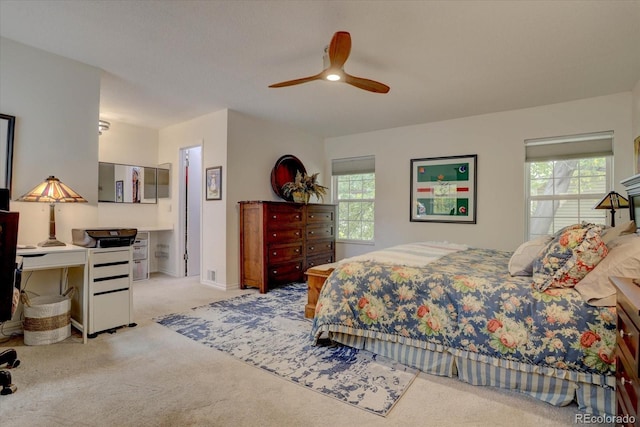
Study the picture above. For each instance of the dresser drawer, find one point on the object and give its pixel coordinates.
(626, 385)
(320, 232)
(289, 272)
(283, 216)
(320, 260)
(281, 253)
(320, 214)
(627, 339)
(319, 247)
(284, 235)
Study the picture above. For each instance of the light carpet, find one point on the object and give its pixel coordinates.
(269, 331)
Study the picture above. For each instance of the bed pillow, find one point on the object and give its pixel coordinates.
(610, 234)
(569, 257)
(623, 260)
(521, 262)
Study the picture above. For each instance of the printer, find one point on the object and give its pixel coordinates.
(103, 237)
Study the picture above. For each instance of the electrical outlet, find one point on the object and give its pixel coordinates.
(211, 275)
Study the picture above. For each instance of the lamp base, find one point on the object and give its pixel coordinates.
(51, 242)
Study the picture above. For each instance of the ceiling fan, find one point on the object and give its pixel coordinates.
(336, 55)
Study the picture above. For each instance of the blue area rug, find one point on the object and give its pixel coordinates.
(269, 331)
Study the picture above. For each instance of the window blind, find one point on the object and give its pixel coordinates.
(569, 147)
(353, 165)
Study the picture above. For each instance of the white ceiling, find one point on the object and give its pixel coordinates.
(169, 61)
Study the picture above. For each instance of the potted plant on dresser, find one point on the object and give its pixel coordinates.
(303, 187)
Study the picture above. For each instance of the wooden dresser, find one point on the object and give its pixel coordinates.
(279, 241)
(628, 346)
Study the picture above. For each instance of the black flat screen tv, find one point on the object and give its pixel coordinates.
(8, 244)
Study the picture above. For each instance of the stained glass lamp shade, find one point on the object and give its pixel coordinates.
(52, 191)
(612, 201)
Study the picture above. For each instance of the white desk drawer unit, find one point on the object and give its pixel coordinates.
(110, 289)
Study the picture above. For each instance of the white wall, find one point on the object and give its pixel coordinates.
(254, 146)
(56, 103)
(247, 148)
(498, 140)
(129, 145)
(209, 131)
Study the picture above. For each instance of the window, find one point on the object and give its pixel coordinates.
(354, 191)
(566, 178)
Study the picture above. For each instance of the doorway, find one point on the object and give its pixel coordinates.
(190, 208)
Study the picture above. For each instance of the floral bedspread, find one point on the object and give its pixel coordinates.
(468, 301)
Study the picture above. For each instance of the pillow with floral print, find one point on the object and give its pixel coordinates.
(569, 257)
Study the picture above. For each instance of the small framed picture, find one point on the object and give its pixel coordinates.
(443, 189)
(119, 190)
(213, 183)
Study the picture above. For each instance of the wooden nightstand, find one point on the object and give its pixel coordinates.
(628, 345)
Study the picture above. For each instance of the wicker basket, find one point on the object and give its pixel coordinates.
(47, 319)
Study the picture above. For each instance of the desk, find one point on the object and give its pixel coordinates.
(58, 257)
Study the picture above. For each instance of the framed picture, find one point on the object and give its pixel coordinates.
(7, 124)
(213, 183)
(636, 153)
(443, 189)
(119, 191)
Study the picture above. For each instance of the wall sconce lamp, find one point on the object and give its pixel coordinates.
(103, 126)
(612, 201)
(52, 191)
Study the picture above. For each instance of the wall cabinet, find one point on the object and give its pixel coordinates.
(279, 241)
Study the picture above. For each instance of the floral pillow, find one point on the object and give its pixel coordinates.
(573, 252)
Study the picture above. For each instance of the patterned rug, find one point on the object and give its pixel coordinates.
(269, 331)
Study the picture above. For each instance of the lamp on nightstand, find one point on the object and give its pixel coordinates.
(612, 201)
(52, 191)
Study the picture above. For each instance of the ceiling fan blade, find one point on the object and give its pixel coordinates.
(297, 81)
(339, 49)
(366, 84)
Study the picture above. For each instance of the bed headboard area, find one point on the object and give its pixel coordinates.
(632, 185)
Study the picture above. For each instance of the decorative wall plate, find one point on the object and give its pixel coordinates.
(285, 171)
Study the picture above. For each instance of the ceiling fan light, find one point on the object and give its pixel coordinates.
(333, 77)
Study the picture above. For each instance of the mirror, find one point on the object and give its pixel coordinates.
(127, 183)
(164, 180)
(7, 124)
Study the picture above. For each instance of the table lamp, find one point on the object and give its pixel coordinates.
(52, 191)
(612, 201)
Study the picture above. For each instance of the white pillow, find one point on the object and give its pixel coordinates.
(611, 233)
(623, 260)
(521, 262)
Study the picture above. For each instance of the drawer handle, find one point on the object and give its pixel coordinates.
(275, 271)
(275, 217)
(311, 232)
(623, 333)
(297, 233)
(274, 234)
(297, 251)
(312, 248)
(624, 381)
(275, 253)
(311, 216)
(297, 267)
(297, 216)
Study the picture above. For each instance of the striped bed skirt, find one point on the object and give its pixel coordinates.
(594, 394)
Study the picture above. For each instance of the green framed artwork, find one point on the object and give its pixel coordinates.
(443, 189)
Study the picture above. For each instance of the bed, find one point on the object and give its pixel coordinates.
(540, 320)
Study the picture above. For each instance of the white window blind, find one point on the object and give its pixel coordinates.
(570, 147)
(353, 165)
